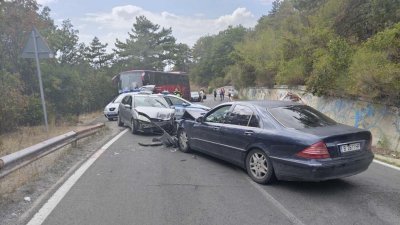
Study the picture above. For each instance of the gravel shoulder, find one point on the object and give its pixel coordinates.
(17, 207)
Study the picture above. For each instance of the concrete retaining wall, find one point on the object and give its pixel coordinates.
(383, 121)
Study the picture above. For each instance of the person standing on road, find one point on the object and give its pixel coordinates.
(177, 92)
(215, 94)
(222, 94)
(230, 96)
(201, 95)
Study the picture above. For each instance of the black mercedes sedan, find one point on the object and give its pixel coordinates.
(278, 140)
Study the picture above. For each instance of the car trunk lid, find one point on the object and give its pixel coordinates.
(342, 140)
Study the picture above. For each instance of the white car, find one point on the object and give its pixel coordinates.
(111, 110)
(146, 113)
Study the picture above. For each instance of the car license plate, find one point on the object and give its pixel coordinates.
(350, 147)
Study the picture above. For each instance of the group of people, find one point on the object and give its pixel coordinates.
(202, 94)
(221, 93)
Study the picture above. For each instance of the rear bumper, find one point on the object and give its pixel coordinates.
(319, 170)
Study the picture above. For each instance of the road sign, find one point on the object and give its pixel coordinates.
(36, 47)
(43, 49)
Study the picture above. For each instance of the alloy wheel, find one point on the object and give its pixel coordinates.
(258, 165)
(183, 140)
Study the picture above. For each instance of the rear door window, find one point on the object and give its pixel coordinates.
(300, 116)
(175, 101)
(242, 116)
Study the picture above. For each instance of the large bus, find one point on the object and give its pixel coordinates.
(164, 81)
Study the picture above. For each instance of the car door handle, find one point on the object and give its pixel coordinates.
(215, 128)
(248, 132)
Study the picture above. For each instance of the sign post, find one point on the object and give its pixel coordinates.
(36, 47)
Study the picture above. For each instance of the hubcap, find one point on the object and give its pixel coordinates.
(258, 165)
(183, 140)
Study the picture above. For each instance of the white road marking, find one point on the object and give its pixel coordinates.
(386, 164)
(275, 202)
(51, 204)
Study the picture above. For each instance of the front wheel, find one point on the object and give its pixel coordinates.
(134, 126)
(183, 141)
(259, 167)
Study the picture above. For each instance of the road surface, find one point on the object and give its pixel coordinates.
(131, 184)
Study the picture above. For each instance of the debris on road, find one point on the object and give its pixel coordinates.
(165, 139)
(27, 199)
(116, 153)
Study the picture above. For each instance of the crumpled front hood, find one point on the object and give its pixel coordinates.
(155, 112)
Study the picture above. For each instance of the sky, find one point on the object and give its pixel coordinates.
(189, 19)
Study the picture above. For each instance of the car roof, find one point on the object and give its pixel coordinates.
(269, 104)
(145, 95)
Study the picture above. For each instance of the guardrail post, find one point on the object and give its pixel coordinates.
(74, 144)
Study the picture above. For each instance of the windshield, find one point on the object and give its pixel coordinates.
(300, 116)
(130, 81)
(150, 101)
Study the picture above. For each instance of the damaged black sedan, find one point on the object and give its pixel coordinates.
(277, 140)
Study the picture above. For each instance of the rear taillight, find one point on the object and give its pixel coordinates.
(315, 151)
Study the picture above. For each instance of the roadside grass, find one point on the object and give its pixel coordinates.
(27, 136)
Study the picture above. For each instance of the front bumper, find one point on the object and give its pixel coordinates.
(154, 126)
(320, 170)
(110, 115)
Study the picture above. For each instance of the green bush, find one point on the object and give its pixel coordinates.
(33, 113)
(12, 101)
(375, 71)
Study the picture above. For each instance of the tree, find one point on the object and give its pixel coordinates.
(211, 54)
(362, 19)
(147, 47)
(275, 7)
(64, 42)
(182, 57)
(96, 54)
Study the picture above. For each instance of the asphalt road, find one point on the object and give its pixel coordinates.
(131, 184)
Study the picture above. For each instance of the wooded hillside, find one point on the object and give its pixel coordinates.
(344, 48)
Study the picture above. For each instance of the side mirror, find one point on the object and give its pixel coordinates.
(200, 119)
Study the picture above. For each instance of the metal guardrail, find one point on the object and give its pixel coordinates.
(16, 160)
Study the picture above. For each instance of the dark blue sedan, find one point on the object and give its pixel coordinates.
(278, 140)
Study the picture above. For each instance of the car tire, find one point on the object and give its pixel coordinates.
(183, 142)
(259, 167)
(134, 126)
(120, 123)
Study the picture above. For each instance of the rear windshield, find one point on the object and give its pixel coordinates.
(301, 116)
(119, 98)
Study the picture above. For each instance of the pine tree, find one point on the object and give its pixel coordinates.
(96, 54)
(148, 46)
